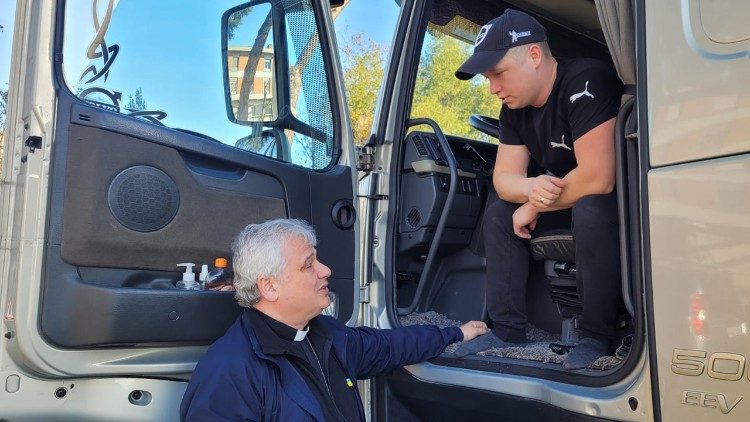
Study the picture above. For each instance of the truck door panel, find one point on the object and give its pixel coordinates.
(132, 197)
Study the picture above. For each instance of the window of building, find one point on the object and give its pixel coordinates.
(233, 86)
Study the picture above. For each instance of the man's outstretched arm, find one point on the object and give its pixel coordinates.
(372, 351)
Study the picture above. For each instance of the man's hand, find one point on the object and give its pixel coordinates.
(544, 190)
(473, 328)
(524, 220)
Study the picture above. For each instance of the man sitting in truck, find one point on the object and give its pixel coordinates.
(561, 114)
(284, 361)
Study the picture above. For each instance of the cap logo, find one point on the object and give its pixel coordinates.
(482, 34)
(516, 35)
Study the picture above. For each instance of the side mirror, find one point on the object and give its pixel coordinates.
(250, 85)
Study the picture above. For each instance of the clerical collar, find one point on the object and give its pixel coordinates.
(301, 334)
(282, 330)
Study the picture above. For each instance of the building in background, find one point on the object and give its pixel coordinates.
(262, 94)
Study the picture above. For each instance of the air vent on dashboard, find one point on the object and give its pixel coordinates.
(413, 217)
(419, 145)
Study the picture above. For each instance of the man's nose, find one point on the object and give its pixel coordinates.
(323, 270)
(495, 87)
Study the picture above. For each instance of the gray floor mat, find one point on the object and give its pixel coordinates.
(536, 350)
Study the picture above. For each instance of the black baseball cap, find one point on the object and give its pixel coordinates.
(511, 29)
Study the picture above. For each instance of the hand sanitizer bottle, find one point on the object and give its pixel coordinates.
(203, 275)
(188, 278)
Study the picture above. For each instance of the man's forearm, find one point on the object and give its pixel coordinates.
(578, 185)
(512, 187)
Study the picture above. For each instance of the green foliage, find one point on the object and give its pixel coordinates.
(3, 108)
(438, 94)
(136, 101)
(235, 19)
(363, 74)
(442, 97)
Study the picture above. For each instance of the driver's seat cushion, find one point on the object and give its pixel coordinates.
(555, 245)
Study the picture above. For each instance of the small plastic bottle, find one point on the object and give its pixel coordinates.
(203, 275)
(188, 278)
(219, 276)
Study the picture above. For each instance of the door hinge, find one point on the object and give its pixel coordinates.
(34, 143)
(365, 158)
(364, 294)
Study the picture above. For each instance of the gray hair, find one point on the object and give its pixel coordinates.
(258, 251)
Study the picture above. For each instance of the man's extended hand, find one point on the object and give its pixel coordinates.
(544, 191)
(473, 328)
(524, 220)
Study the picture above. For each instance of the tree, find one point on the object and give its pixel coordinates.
(438, 94)
(3, 110)
(235, 19)
(445, 99)
(136, 101)
(363, 74)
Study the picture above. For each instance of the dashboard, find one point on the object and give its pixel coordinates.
(425, 180)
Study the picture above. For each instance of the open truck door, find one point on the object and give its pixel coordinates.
(144, 136)
(683, 176)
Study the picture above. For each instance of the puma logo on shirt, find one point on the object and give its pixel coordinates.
(585, 92)
(560, 144)
(516, 35)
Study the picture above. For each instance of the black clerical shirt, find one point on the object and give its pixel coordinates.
(334, 390)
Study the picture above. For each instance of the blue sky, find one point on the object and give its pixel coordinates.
(373, 18)
(176, 75)
(7, 14)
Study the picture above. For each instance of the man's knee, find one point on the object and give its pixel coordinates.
(595, 211)
(498, 217)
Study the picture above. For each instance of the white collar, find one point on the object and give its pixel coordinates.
(301, 334)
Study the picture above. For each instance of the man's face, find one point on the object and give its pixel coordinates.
(512, 80)
(303, 284)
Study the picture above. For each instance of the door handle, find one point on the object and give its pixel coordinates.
(343, 214)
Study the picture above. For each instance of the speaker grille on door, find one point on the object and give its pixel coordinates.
(413, 217)
(143, 198)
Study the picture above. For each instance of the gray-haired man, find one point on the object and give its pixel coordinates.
(282, 360)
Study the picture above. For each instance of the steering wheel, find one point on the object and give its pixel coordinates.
(486, 125)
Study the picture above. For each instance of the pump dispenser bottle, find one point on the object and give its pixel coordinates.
(188, 278)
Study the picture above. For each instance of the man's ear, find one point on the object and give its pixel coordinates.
(535, 54)
(268, 288)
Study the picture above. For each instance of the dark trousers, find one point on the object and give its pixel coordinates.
(594, 223)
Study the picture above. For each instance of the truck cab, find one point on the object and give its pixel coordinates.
(142, 136)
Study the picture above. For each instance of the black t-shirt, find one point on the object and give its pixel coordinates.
(586, 93)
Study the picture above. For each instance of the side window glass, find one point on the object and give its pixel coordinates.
(238, 73)
(364, 34)
(7, 16)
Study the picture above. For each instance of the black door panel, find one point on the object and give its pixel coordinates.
(206, 220)
(107, 285)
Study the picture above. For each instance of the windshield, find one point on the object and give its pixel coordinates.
(439, 95)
